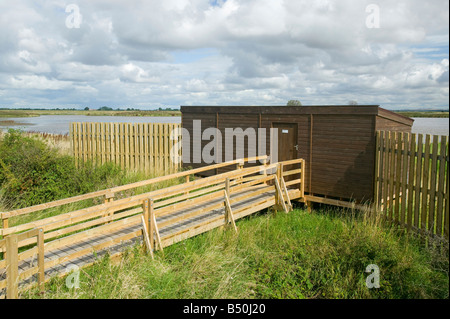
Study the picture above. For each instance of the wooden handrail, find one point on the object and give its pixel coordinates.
(31, 209)
(88, 223)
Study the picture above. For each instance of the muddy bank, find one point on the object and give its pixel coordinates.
(12, 123)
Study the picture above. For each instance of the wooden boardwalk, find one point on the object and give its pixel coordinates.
(157, 219)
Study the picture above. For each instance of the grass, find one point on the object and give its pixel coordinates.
(442, 114)
(295, 255)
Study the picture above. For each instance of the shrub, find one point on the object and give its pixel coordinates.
(32, 172)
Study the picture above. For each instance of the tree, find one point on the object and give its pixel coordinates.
(105, 108)
(352, 102)
(294, 103)
(86, 108)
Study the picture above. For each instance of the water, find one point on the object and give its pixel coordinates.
(60, 124)
(433, 126)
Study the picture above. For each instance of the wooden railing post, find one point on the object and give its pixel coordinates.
(187, 181)
(151, 215)
(228, 212)
(239, 166)
(145, 225)
(154, 231)
(146, 208)
(12, 267)
(109, 197)
(265, 170)
(4, 221)
(4, 225)
(302, 178)
(41, 254)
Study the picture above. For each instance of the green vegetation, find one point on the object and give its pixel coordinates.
(35, 169)
(274, 255)
(31, 172)
(294, 103)
(442, 114)
(295, 255)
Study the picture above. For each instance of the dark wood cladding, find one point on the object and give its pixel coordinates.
(340, 153)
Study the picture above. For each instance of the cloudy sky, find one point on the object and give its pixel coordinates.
(150, 54)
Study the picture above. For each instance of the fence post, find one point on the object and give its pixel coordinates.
(227, 193)
(12, 267)
(146, 212)
(265, 170)
(41, 254)
(228, 212)
(152, 218)
(302, 179)
(187, 181)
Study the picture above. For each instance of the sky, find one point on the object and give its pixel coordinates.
(151, 54)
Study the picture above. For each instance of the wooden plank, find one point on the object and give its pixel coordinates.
(146, 215)
(425, 184)
(398, 176)
(41, 265)
(392, 144)
(27, 235)
(142, 152)
(376, 196)
(152, 145)
(292, 172)
(80, 142)
(84, 137)
(441, 187)
(432, 191)
(404, 183)
(280, 198)
(146, 237)
(385, 185)
(73, 144)
(293, 182)
(335, 202)
(418, 181)
(229, 211)
(103, 139)
(411, 176)
(284, 188)
(166, 139)
(383, 168)
(151, 216)
(145, 148)
(117, 142)
(12, 269)
(302, 178)
(446, 192)
(155, 228)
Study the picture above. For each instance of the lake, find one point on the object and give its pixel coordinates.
(433, 126)
(59, 124)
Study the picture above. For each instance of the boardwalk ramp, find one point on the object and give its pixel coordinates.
(139, 213)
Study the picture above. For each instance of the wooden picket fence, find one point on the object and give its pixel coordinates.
(411, 181)
(142, 147)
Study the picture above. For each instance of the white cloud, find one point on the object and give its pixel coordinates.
(156, 53)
